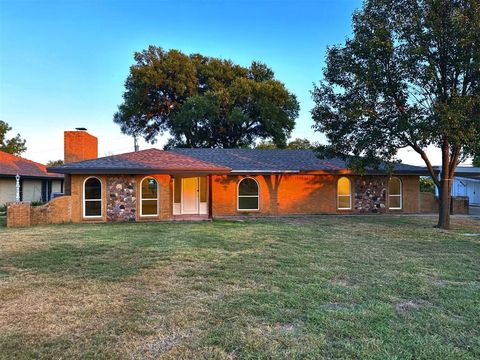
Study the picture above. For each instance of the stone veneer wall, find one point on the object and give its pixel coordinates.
(370, 194)
(121, 198)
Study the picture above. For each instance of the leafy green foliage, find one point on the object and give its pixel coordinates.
(427, 185)
(52, 163)
(204, 102)
(476, 161)
(296, 144)
(409, 77)
(15, 145)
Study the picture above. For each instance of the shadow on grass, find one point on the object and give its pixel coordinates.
(97, 261)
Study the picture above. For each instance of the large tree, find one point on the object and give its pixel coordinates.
(14, 145)
(409, 77)
(204, 102)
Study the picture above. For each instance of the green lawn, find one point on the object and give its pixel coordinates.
(325, 287)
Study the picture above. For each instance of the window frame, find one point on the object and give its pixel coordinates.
(150, 199)
(248, 196)
(85, 200)
(349, 195)
(399, 195)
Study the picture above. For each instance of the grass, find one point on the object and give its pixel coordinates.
(325, 287)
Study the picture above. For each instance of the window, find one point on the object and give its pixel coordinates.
(344, 194)
(395, 193)
(248, 197)
(92, 197)
(149, 197)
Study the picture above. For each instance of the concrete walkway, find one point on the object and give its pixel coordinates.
(474, 210)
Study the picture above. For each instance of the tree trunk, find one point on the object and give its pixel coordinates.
(444, 191)
(444, 206)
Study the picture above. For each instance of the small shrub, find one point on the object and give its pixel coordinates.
(427, 185)
(37, 203)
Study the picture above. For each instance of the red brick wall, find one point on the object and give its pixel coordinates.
(79, 145)
(298, 194)
(56, 211)
(18, 214)
(428, 203)
(165, 197)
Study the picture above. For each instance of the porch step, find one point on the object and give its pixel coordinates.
(191, 218)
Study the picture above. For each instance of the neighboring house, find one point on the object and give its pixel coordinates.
(204, 183)
(466, 182)
(35, 183)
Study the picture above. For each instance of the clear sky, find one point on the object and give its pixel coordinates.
(63, 63)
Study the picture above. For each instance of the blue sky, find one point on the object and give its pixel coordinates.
(63, 63)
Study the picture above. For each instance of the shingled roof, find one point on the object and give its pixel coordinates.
(142, 162)
(276, 160)
(215, 161)
(11, 165)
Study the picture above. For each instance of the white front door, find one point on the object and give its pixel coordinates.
(190, 195)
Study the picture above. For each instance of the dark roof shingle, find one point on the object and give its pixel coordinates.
(144, 161)
(278, 160)
(216, 161)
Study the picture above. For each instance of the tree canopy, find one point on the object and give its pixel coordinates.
(204, 102)
(476, 161)
(409, 77)
(14, 145)
(52, 163)
(296, 144)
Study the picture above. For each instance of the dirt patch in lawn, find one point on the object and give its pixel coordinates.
(36, 305)
(408, 305)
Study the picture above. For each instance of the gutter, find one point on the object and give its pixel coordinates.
(265, 171)
(119, 171)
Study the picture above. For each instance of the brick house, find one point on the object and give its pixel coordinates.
(207, 183)
(35, 183)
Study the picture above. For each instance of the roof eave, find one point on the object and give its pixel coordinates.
(99, 171)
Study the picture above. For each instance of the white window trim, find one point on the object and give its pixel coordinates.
(151, 199)
(246, 196)
(400, 195)
(85, 200)
(349, 195)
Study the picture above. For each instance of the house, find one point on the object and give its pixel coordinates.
(466, 183)
(206, 183)
(36, 185)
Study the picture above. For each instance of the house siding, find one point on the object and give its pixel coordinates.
(288, 194)
(7, 191)
(118, 186)
(312, 194)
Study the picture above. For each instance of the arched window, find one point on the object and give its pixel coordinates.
(92, 197)
(149, 197)
(395, 193)
(248, 194)
(344, 194)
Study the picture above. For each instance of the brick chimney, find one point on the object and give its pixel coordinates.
(79, 145)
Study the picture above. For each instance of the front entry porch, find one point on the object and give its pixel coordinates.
(190, 198)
